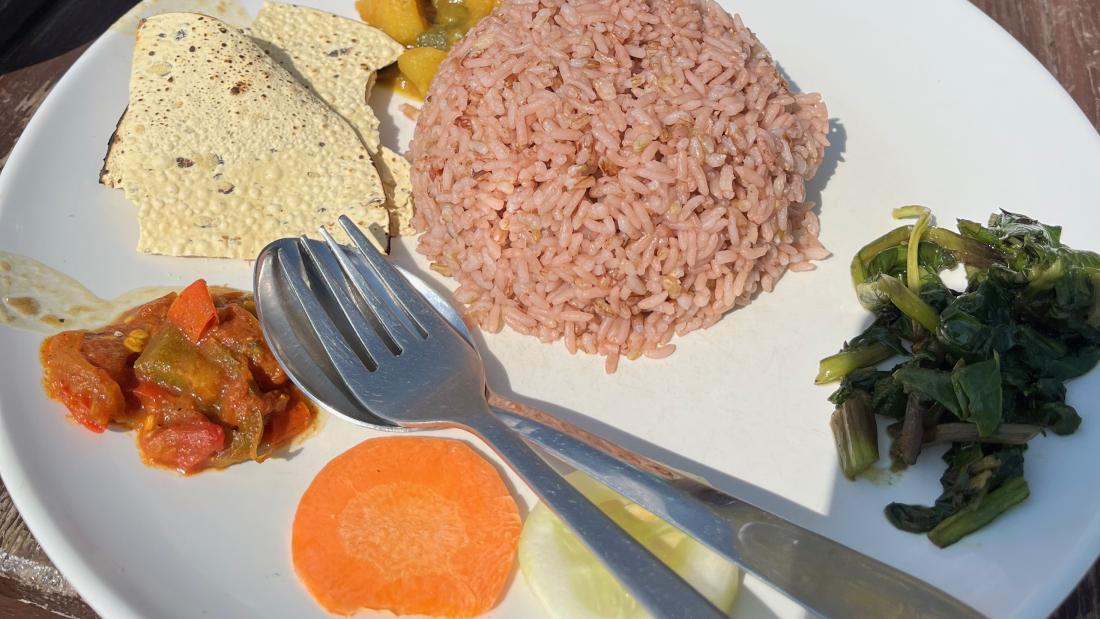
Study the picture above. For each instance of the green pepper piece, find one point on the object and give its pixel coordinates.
(244, 444)
(172, 361)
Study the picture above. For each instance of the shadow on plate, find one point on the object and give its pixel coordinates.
(749, 603)
(834, 153)
(497, 377)
(380, 98)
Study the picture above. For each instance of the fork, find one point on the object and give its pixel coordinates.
(404, 362)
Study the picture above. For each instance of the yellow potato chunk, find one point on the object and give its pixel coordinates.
(401, 19)
(419, 65)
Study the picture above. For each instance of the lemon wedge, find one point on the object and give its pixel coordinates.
(572, 584)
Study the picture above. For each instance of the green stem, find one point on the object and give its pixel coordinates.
(893, 238)
(963, 523)
(1005, 434)
(904, 299)
(836, 367)
(965, 250)
(908, 444)
(1040, 280)
(913, 211)
(856, 433)
(912, 253)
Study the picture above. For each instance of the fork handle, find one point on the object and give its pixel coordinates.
(652, 584)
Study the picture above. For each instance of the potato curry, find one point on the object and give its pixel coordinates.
(428, 28)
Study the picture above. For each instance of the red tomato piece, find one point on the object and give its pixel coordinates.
(185, 445)
(89, 393)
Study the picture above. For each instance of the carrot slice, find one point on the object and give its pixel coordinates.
(408, 524)
(193, 310)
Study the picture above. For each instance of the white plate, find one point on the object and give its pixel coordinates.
(932, 104)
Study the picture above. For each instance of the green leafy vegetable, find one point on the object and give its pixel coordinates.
(856, 435)
(978, 389)
(935, 385)
(973, 472)
(983, 369)
(980, 513)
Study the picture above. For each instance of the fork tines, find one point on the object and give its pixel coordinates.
(356, 301)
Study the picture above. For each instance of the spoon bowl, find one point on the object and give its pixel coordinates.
(306, 363)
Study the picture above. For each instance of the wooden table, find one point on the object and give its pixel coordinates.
(40, 39)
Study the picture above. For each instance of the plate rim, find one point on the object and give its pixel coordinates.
(108, 599)
(96, 591)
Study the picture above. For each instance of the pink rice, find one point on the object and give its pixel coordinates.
(614, 172)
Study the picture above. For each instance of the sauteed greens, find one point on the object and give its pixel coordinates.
(984, 369)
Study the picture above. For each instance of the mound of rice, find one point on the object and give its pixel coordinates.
(614, 172)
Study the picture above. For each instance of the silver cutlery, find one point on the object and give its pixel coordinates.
(399, 359)
(826, 578)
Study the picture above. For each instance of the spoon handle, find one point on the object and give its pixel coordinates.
(825, 577)
(652, 584)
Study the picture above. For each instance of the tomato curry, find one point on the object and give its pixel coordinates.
(190, 372)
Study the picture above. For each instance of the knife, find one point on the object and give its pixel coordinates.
(824, 576)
